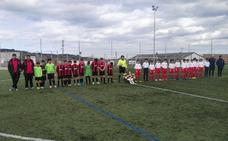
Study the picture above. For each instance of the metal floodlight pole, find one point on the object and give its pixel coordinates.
(0, 54)
(154, 9)
(62, 47)
(140, 47)
(211, 47)
(79, 49)
(111, 50)
(41, 51)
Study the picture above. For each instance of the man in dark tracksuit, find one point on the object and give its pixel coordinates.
(220, 64)
(28, 67)
(14, 68)
(212, 61)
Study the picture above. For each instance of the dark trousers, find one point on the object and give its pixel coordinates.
(206, 71)
(211, 71)
(145, 74)
(88, 80)
(28, 80)
(15, 78)
(43, 81)
(220, 72)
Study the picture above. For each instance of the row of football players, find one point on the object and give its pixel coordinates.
(159, 70)
(69, 72)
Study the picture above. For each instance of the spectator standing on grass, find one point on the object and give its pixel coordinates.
(28, 67)
(146, 70)
(122, 64)
(206, 67)
(212, 61)
(220, 64)
(14, 68)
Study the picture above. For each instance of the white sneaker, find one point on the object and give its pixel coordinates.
(98, 83)
(42, 88)
(26, 88)
(11, 89)
(93, 83)
(16, 90)
(38, 88)
(55, 86)
(78, 84)
(50, 87)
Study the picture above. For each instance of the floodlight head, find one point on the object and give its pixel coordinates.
(154, 8)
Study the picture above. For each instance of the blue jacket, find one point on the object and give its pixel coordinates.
(220, 63)
(212, 61)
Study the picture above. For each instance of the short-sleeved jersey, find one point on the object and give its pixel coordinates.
(81, 67)
(75, 69)
(101, 65)
(110, 69)
(94, 66)
(60, 70)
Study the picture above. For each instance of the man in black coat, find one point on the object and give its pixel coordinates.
(212, 61)
(28, 67)
(220, 64)
(14, 68)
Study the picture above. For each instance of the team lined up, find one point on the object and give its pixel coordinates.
(185, 69)
(68, 73)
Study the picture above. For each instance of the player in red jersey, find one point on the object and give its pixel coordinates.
(110, 72)
(69, 73)
(60, 73)
(101, 69)
(75, 73)
(94, 66)
(81, 67)
(65, 73)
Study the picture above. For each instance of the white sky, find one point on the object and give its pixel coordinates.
(126, 22)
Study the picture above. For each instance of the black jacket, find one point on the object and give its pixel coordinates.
(220, 63)
(11, 68)
(25, 65)
(212, 61)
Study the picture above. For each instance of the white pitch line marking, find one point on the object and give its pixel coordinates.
(183, 93)
(22, 138)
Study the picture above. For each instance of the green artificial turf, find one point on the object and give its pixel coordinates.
(53, 114)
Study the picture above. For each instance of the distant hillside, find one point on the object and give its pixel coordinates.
(45, 56)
